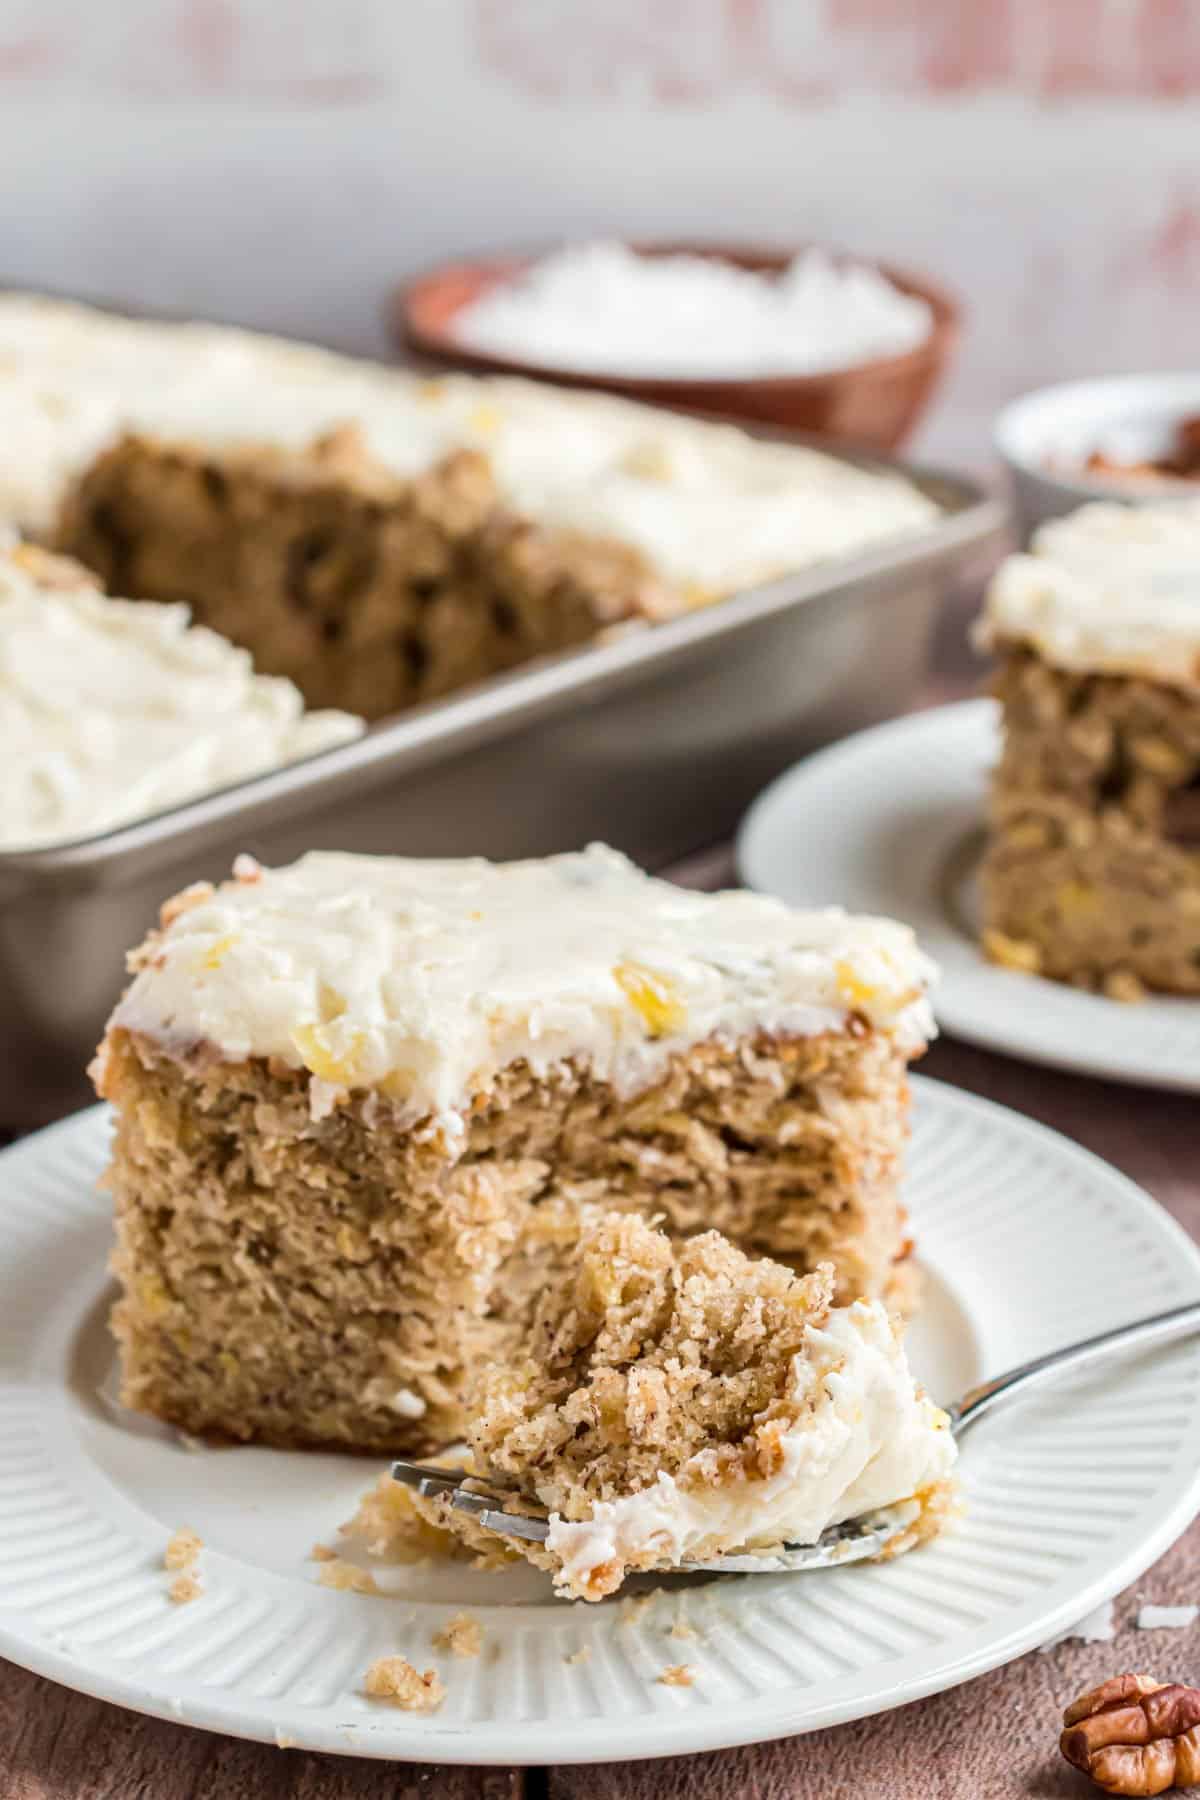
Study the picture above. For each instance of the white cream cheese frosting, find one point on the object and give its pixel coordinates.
(865, 1438)
(712, 508)
(424, 979)
(111, 710)
(1108, 589)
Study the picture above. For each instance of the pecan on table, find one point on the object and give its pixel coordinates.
(1135, 1735)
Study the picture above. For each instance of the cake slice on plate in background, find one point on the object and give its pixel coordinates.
(1092, 874)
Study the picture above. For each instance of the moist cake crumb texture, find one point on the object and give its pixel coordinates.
(1092, 871)
(369, 591)
(676, 1402)
(184, 1589)
(363, 1102)
(395, 1680)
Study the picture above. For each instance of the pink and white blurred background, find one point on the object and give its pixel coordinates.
(282, 162)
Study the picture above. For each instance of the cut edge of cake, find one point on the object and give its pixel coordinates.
(371, 591)
(677, 1402)
(355, 1128)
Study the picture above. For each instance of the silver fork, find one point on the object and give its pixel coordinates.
(857, 1538)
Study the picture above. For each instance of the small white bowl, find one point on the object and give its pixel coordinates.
(1045, 438)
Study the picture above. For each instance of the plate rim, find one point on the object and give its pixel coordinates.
(756, 827)
(394, 1739)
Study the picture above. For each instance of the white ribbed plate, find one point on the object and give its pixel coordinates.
(891, 821)
(1027, 1242)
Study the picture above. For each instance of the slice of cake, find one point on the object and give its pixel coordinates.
(111, 711)
(1092, 873)
(360, 1102)
(367, 589)
(677, 1401)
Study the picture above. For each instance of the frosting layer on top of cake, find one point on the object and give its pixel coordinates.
(712, 508)
(111, 710)
(423, 979)
(864, 1438)
(1111, 589)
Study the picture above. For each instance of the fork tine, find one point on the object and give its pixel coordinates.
(506, 1523)
(446, 1484)
(426, 1478)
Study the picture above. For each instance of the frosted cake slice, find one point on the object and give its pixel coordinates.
(677, 1401)
(360, 1102)
(1092, 874)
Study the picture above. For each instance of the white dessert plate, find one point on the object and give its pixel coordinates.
(1027, 1242)
(891, 821)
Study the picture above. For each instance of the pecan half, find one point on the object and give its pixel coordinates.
(1135, 1735)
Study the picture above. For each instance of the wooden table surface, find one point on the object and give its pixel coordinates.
(992, 1739)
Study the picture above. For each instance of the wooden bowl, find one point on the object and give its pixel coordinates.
(875, 404)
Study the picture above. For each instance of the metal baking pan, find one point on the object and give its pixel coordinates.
(654, 741)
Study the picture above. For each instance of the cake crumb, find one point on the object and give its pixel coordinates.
(1123, 984)
(393, 1679)
(182, 1550)
(461, 1635)
(322, 1553)
(347, 1577)
(678, 1675)
(681, 1629)
(185, 1587)
(582, 1655)
(391, 1530)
